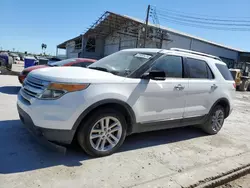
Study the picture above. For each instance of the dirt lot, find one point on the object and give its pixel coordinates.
(171, 158)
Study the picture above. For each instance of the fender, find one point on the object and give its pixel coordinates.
(224, 100)
(103, 102)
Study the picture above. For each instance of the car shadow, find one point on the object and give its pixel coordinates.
(20, 152)
(155, 138)
(11, 90)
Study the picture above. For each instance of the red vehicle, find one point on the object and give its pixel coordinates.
(77, 62)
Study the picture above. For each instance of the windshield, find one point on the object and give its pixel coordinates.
(122, 63)
(61, 63)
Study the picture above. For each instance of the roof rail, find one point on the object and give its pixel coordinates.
(195, 52)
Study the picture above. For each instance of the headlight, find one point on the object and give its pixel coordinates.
(56, 90)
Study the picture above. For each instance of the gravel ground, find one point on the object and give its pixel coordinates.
(243, 182)
(169, 158)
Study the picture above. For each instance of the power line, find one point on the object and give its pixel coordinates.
(198, 22)
(206, 19)
(201, 22)
(202, 15)
(204, 26)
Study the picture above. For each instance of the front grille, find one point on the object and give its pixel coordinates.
(33, 88)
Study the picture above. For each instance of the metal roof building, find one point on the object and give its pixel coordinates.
(113, 32)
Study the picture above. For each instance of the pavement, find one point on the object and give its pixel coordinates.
(16, 69)
(182, 157)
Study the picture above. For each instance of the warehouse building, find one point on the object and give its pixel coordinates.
(113, 32)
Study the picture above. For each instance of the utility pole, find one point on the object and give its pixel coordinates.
(146, 27)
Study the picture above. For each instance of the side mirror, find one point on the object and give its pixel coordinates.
(154, 75)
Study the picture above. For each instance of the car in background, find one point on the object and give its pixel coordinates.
(21, 56)
(76, 62)
(6, 62)
(15, 57)
(54, 59)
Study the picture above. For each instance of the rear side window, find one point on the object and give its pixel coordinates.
(198, 69)
(224, 72)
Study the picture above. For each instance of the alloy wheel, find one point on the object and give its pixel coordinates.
(106, 133)
(217, 120)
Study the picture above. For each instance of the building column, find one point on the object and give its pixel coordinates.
(191, 42)
(84, 40)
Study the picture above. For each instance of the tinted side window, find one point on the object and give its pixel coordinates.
(224, 72)
(171, 65)
(197, 68)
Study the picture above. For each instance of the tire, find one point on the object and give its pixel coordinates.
(244, 85)
(86, 130)
(210, 127)
(248, 88)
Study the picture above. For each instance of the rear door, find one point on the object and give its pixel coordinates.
(203, 88)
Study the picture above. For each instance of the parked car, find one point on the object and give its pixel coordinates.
(54, 59)
(130, 91)
(78, 62)
(6, 62)
(15, 57)
(21, 56)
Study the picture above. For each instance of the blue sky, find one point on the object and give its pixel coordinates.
(25, 24)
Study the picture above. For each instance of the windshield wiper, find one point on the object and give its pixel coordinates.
(99, 68)
(105, 70)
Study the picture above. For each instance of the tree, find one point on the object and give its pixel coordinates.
(44, 46)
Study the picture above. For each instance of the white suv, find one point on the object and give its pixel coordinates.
(128, 92)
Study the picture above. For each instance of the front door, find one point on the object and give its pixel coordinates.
(164, 100)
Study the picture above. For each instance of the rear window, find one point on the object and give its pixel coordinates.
(224, 72)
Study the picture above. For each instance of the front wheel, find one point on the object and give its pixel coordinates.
(215, 120)
(103, 132)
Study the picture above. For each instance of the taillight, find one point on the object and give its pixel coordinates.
(234, 84)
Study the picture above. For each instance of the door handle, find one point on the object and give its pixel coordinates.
(179, 87)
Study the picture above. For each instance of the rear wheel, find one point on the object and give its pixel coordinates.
(215, 120)
(248, 88)
(244, 85)
(103, 132)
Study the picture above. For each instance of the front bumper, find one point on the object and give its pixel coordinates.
(47, 137)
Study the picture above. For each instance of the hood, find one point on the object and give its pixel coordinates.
(35, 67)
(75, 75)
